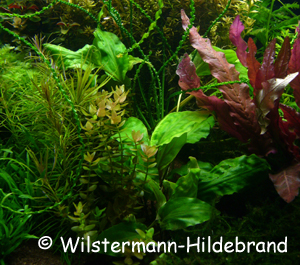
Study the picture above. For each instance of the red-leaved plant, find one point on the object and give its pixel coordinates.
(256, 120)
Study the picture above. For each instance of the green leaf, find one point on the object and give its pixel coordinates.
(202, 67)
(132, 124)
(169, 187)
(187, 186)
(154, 192)
(133, 61)
(35, 19)
(201, 131)
(181, 212)
(112, 54)
(71, 59)
(120, 233)
(183, 170)
(26, 196)
(107, 52)
(152, 25)
(168, 152)
(231, 175)
(177, 123)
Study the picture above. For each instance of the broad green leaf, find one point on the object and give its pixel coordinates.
(231, 175)
(122, 232)
(169, 187)
(183, 170)
(107, 53)
(232, 58)
(181, 212)
(154, 192)
(112, 54)
(71, 59)
(132, 124)
(168, 152)
(201, 131)
(177, 123)
(187, 186)
(202, 67)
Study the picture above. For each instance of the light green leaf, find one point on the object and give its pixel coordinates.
(183, 170)
(132, 124)
(112, 54)
(70, 59)
(133, 61)
(169, 187)
(200, 130)
(202, 67)
(177, 123)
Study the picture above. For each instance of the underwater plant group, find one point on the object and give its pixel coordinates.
(121, 121)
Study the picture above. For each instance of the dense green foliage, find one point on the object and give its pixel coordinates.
(97, 139)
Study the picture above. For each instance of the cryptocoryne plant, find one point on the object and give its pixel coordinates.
(256, 120)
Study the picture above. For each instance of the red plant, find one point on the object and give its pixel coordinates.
(252, 120)
(23, 8)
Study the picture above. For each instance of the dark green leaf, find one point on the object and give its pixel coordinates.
(120, 233)
(168, 152)
(187, 186)
(182, 212)
(154, 192)
(231, 175)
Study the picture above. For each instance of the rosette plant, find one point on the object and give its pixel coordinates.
(253, 120)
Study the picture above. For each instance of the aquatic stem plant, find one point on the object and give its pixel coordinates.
(156, 90)
(57, 80)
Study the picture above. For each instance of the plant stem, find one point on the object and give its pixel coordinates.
(268, 23)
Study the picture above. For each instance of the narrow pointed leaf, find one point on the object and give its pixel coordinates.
(282, 60)
(236, 96)
(235, 31)
(267, 69)
(294, 66)
(253, 64)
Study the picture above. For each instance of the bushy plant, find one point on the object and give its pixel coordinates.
(241, 116)
(102, 146)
